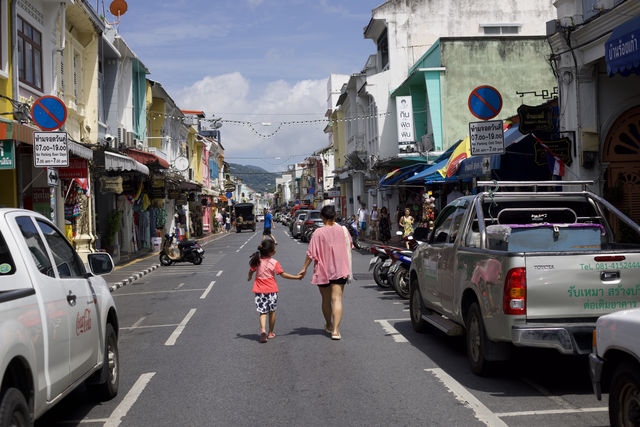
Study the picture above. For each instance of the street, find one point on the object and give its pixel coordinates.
(190, 355)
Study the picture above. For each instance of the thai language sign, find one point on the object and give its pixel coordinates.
(50, 149)
(404, 111)
(486, 137)
(7, 155)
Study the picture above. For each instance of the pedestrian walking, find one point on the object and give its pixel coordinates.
(406, 222)
(363, 214)
(384, 225)
(265, 288)
(373, 223)
(330, 250)
(268, 226)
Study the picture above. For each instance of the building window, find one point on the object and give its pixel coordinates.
(500, 29)
(29, 54)
(383, 50)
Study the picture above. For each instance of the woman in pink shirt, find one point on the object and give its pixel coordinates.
(330, 249)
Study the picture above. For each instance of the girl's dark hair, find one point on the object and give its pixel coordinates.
(265, 249)
(328, 212)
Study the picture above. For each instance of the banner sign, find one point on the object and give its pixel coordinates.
(111, 184)
(486, 137)
(7, 155)
(559, 147)
(50, 149)
(334, 193)
(78, 168)
(536, 119)
(404, 110)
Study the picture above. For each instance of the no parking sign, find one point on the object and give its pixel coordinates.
(485, 102)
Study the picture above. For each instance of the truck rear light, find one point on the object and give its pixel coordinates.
(616, 258)
(515, 292)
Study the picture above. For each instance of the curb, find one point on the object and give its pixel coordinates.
(132, 278)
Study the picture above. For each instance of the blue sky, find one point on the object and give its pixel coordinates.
(256, 60)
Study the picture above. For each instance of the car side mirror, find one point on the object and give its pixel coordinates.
(100, 263)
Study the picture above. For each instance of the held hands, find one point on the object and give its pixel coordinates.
(301, 275)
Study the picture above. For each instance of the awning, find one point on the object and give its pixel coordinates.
(190, 186)
(147, 158)
(23, 133)
(622, 50)
(80, 150)
(398, 175)
(118, 162)
(419, 178)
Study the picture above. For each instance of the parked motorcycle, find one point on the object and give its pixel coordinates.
(353, 231)
(308, 232)
(186, 251)
(398, 274)
(380, 263)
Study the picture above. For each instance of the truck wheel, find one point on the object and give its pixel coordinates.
(107, 389)
(14, 410)
(401, 283)
(624, 396)
(476, 340)
(378, 277)
(415, 310)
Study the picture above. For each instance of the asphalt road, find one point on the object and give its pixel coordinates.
(190, 356)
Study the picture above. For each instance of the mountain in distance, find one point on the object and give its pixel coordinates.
(255, 177)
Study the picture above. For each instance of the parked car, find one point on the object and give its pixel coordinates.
(58, 321)
(245, 219)
(532, 269)
(313, 220)
(294, 218)
(259, 218)
(615, 365)
(299, 224)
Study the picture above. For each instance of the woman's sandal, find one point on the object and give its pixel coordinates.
(336, 336)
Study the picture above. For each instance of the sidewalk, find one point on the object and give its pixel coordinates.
(131, 271)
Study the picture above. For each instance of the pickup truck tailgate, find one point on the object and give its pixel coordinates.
(581, 286)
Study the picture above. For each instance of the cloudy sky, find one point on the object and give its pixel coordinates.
(262, 61)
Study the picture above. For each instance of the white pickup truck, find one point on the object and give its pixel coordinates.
(58, 322)
(525, 268)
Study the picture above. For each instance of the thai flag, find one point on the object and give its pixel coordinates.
(556, 165)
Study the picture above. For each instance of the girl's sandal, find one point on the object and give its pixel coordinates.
(271, 335)
(263, 337)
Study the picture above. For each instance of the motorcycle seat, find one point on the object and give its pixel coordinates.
(186, 243)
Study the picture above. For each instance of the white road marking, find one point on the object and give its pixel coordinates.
(401, 302)
(157, 292)
(405, 309)
(179, 286)
(238, 250)
(219, 273)
(138, 322)
(206, 291)
(543, 391)
(176, 333)
(121, 410)
(551, 412)
(85, 421)
(130, 328)
(390, 330)
(463, 395)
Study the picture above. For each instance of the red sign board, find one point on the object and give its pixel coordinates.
(77, 169)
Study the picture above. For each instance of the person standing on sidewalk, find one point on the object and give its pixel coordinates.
(385, 225)
(373, 223)
(363, 213)
(268, 226)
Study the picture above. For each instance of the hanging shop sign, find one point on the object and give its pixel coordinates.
(404, 119)
(181, 163)
(41, 198)
(486, 137)
(157, 188)
(485, 102)
(559, 147)
(111, 184)
(173, 193)
(78, 168)
(49, 112)
(7, 155)
(50, 149)
(536, 119)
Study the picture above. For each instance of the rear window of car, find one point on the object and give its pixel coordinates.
(7, 266)
(315, 215)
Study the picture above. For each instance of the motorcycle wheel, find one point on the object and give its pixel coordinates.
(401, 283)
(380, 279)
(165, 260)
(197, 259)
(356, 243)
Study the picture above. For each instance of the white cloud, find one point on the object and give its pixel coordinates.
(232, 97)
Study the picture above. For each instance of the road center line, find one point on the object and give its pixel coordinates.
(176, 333)
(138, 322)
(206, 291)
(121, 410)
(551, 412)
(158, 292)
(465, 397)
(219, 273)
(391, 331)
(130, 328)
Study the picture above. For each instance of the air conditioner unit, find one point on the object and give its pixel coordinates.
(122, 136)
(129, 142)
(139, 144)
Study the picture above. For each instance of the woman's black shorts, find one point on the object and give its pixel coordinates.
(342, 281)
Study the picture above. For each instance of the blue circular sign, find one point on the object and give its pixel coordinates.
(485, 102)
(311, 190)
(229, 194)
(49, 112)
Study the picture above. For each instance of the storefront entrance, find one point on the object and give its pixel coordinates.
(622, 152)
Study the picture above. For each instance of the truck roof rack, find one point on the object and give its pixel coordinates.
(534, 184)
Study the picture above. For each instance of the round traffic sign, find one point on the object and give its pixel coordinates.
(311, 190)
(49, 112)
(485, 102)
(229, 194)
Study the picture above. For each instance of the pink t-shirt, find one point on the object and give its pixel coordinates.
(265, 281)
(328, 248)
